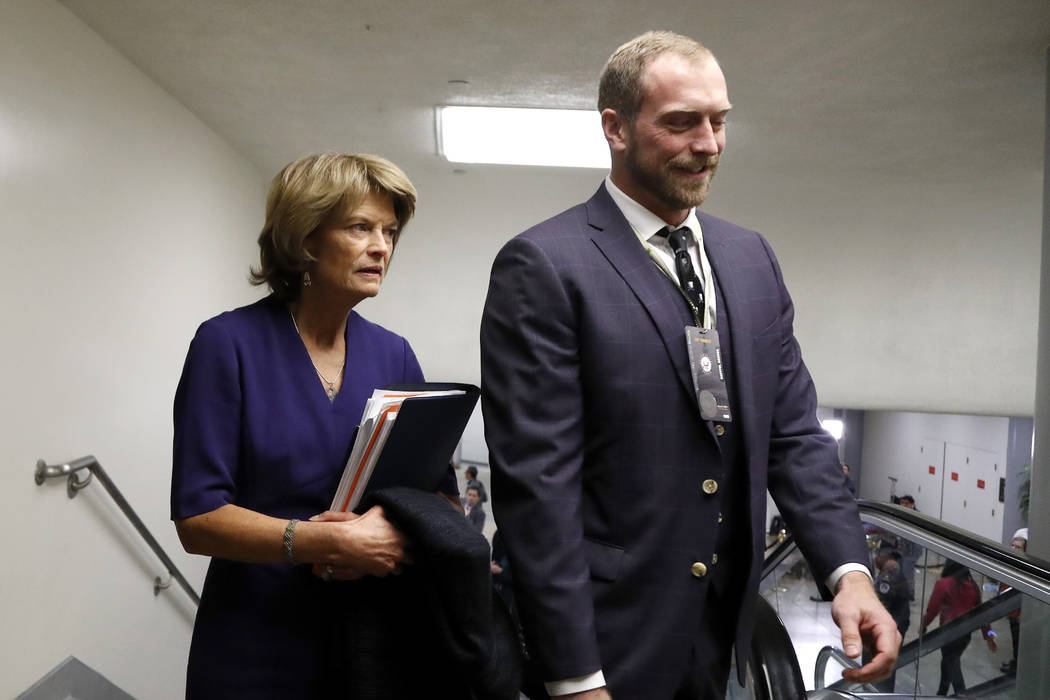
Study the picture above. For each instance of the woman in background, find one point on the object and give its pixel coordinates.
(264, 415)
(954, 594)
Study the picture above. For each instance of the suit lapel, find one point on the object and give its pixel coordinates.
(732, 314)
(618, 243)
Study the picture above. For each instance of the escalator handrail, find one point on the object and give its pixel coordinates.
(820, 670)
(774, 665)
(929, 642)
(1025, 572)
(984, 614)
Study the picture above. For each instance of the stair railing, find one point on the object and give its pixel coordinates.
(79, 473)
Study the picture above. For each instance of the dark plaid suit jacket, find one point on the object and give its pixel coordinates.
(598, 449)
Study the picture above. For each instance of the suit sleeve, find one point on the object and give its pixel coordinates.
(805, 475)
(533, 410)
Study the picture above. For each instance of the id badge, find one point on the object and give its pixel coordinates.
(709, 380)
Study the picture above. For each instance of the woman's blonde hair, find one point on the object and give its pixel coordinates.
(307, 193)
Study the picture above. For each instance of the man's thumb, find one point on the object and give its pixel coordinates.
(851, 641)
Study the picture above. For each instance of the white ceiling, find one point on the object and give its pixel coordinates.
(899, 89)
(877, 143)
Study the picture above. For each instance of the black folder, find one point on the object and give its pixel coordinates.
(420, 445)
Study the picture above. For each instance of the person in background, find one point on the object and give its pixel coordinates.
(1020, 544)
(954, 594)
(474, 509)
(471, 475)
(892, 590)
(910, 551)
(264, 416)
(849, 480)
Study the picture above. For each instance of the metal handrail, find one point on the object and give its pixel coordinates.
(830, 652)
(75, 484)
(1022, 571)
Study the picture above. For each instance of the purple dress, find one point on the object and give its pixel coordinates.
(254, 427)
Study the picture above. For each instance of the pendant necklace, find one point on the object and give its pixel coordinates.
(329, 383)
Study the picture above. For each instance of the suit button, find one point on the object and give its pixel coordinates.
(709, 486)
(699, 569)
(720, 430)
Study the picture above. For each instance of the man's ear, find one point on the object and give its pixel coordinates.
(616, 130)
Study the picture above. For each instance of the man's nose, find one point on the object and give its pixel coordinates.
(704, 139)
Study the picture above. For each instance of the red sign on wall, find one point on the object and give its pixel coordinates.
(933, 469)
(955, 476)
(980, 483)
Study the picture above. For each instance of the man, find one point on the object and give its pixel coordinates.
(475, 512)
(850, 485)
(892, 590)
(910, 551)
(631, 481)
(471, 475)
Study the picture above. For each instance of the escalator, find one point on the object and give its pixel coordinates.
(1014, 605)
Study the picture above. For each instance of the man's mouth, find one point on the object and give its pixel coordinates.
(696, 168)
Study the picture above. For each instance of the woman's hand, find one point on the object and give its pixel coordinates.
(367, 545)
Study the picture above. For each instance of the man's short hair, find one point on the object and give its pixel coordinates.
(621, 86)
(907, 498)
(475, 489)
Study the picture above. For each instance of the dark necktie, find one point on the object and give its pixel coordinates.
(683, 266)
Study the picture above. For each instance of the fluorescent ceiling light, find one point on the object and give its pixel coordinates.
(833, 426)
(567, 138)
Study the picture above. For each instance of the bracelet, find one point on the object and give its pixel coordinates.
(289, 533)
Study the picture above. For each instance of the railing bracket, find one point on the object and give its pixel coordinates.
(74, 485)
(160, 584)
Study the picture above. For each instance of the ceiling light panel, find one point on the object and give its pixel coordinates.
(566, 138)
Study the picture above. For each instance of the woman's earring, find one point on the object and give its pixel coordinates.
(306, 279)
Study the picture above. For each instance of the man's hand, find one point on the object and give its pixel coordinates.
(595, 694)
(863, 620)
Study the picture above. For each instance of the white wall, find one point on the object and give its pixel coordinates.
(904, 445)
(125, 222)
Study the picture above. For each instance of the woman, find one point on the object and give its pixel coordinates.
(264, 418)
(954, 594)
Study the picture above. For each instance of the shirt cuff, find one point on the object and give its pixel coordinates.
(576, 685)
(833, 578)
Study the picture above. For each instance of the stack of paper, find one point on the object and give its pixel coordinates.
(376, 423)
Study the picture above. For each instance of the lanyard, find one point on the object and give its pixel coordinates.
(699, 315)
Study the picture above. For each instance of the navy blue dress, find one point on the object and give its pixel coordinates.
(254, 427)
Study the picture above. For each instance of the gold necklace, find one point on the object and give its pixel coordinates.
(329, 383)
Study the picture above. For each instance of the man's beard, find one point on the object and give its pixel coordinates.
(661, 181)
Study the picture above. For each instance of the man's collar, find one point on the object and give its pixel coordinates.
(643, 221)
